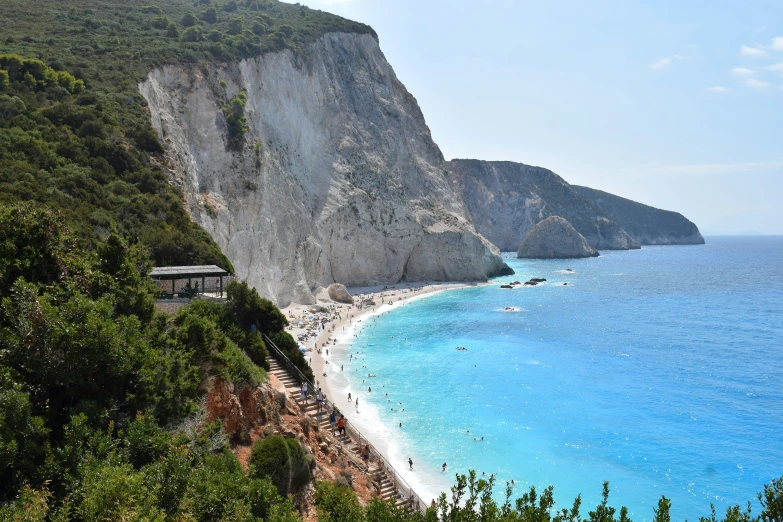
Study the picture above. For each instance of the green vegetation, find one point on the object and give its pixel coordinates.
(74, 131)
(234, 111)
(90, 374)
(283, 461)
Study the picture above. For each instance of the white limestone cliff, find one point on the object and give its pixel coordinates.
(338, 180)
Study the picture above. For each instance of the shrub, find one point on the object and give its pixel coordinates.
(215, 36)
(258, 28)
(337, 502)
(234, 111)
(235, 26)
(287, 30)
(283, 461)
(189, 20)
(160, 22)
(193, 34)
(172, 31)
(231, 6)
(117, 492)
(210, 15)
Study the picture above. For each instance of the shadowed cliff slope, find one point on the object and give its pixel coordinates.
(506, 200)
(646, 225)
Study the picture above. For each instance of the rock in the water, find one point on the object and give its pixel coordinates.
(339, 293)
(530, 283)
(506, 286)
(505, 270)
(555, 238)
(538, 279)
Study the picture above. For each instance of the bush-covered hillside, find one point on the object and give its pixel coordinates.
(90, 376)
(74, 130)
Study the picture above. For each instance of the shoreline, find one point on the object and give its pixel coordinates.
(342, 320)
(340, 325)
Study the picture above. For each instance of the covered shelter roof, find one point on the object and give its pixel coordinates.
(186, 272)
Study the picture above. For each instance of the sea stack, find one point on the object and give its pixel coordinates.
(555, 238)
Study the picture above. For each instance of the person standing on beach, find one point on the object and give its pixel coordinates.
(443, 470)
(410, 462)
(349, 396)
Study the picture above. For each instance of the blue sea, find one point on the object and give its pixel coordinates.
(659, 370)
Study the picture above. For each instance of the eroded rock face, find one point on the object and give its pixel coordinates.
(338, 179)
(339, 293)
(555, 238)
(506, 199)
(243, 409)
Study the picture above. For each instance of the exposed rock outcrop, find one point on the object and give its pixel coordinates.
(507, 199)
(646, 225)
(554, 238)
(337, 179)
(243, 409)
(339, 293)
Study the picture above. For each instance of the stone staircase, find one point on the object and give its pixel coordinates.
(383, 481)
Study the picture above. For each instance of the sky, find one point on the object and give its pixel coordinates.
(676, 104)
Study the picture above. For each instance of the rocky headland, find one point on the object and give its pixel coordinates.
(645, 224)
(555, 238)
(507, 199)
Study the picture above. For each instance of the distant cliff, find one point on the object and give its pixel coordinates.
(506, 200)
(336, 178)
(645, 224)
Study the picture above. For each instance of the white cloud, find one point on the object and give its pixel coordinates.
(666, 62)
(742, 71)
(778, 67)
(755, 52)
(717, 88)
(777, 43)
(756, 84)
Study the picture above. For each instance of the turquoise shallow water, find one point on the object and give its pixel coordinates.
(660, 370)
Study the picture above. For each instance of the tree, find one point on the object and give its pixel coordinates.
(249, 308)
(231, 6)
(663, 510)
(771, 500)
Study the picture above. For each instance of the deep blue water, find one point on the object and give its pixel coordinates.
(659, 370)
